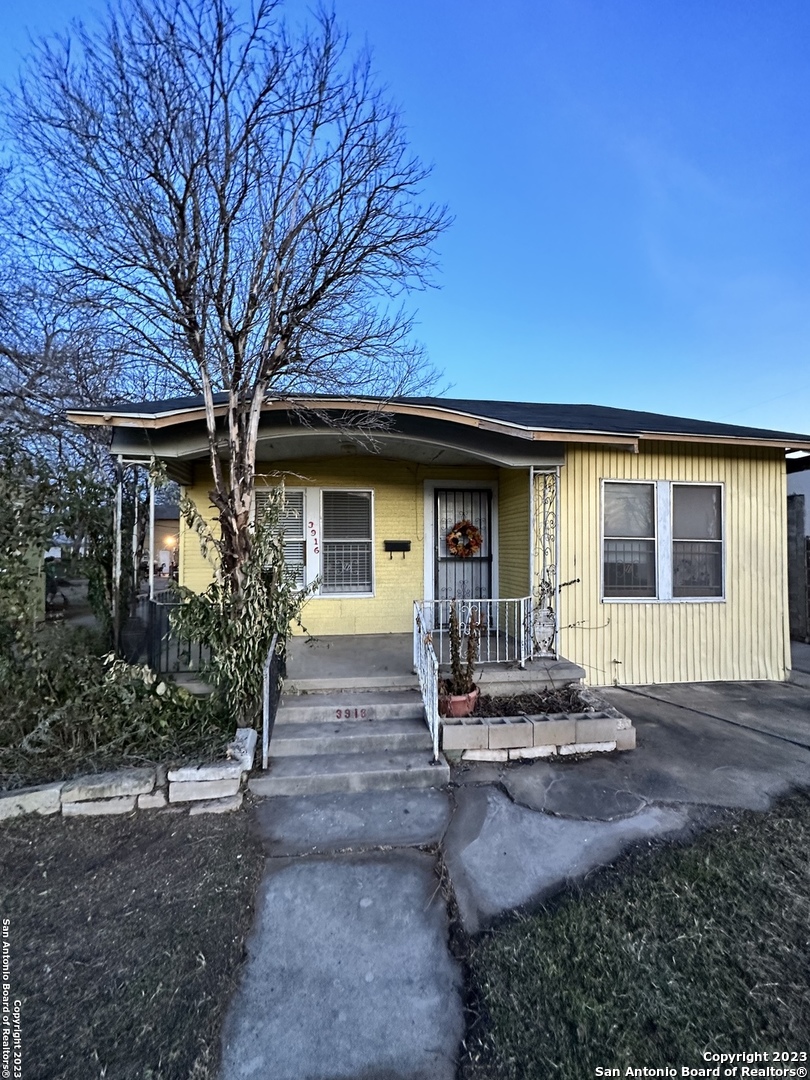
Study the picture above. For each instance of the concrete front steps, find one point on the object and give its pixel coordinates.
(508, 679)
(350, 741)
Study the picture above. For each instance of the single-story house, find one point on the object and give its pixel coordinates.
(644, 548)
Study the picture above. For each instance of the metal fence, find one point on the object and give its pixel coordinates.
(148, 638)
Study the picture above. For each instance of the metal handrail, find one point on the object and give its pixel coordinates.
(427, 669)
(268, 709)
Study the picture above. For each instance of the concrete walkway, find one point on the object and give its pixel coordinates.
(349, 971)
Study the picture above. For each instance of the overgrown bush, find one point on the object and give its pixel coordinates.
(67, 707)
(27, 521)
(238, 627)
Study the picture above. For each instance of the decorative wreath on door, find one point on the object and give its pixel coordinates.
(464, 539)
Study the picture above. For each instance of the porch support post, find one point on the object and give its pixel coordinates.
(116, 572)
(151, 534)
(557, 561)
(528, 627)
(546, 553)
(135, 560)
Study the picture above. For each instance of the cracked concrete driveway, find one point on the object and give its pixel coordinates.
(349, 972)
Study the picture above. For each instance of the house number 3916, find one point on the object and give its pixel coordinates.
(313, 532)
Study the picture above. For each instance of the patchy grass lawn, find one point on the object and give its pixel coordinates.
(126, 937)
(670, 954)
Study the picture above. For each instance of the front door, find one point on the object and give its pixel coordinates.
(464, 512)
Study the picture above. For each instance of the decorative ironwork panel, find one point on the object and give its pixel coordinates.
(546, 585)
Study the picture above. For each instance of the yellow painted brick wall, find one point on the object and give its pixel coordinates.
(193, 570)
(744, 637)
(514, 534)
(399, 490)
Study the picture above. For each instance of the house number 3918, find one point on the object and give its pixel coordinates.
(350, 714)
(313, 532)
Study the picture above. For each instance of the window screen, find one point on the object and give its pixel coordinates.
(697, 545)
(346, 533)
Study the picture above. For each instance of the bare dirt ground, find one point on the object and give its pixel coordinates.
(560, 700)
(126, 938)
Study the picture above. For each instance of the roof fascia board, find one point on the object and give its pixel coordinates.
(141, 420)
(725, 440)
(625, 442)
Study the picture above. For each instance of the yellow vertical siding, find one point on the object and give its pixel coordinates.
(742, 637)
(399, 493)
(514, 532)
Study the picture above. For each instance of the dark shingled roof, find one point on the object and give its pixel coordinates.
(527, 414)
(593, 418)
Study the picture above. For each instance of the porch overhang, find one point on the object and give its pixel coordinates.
(288, 435)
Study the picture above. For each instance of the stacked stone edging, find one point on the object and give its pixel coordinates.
(601, 729)
(214, 788)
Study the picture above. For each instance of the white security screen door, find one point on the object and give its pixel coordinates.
(459, 577)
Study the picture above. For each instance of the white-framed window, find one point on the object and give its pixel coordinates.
(662, 540)
(328, 538)
(346, 539)
(293, 527)
(629, 540)
(697, 540)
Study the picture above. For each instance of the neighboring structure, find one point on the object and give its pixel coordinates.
(644, 548)
(798, 486)
(167, 537)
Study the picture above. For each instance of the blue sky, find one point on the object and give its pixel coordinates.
(630, 181)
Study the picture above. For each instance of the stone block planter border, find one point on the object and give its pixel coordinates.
(601, 729)
(211, 789)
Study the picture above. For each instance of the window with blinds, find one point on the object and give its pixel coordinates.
(292, 525)
(346, 562)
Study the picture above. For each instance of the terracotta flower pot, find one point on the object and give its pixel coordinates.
(455, 706)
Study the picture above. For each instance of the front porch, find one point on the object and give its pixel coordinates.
(385, 662)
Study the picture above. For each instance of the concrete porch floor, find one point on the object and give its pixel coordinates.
(385, 662)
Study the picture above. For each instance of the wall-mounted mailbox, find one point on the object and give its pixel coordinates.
(396, 545)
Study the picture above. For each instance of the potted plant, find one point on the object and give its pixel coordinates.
(459, 694)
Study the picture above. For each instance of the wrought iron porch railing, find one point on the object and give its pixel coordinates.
(150, 638)
(427, 669)
(506, 627)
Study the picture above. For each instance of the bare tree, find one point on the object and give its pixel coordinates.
(57, 351)
(240, 198)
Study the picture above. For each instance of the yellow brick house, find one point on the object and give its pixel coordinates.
(643, 548)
